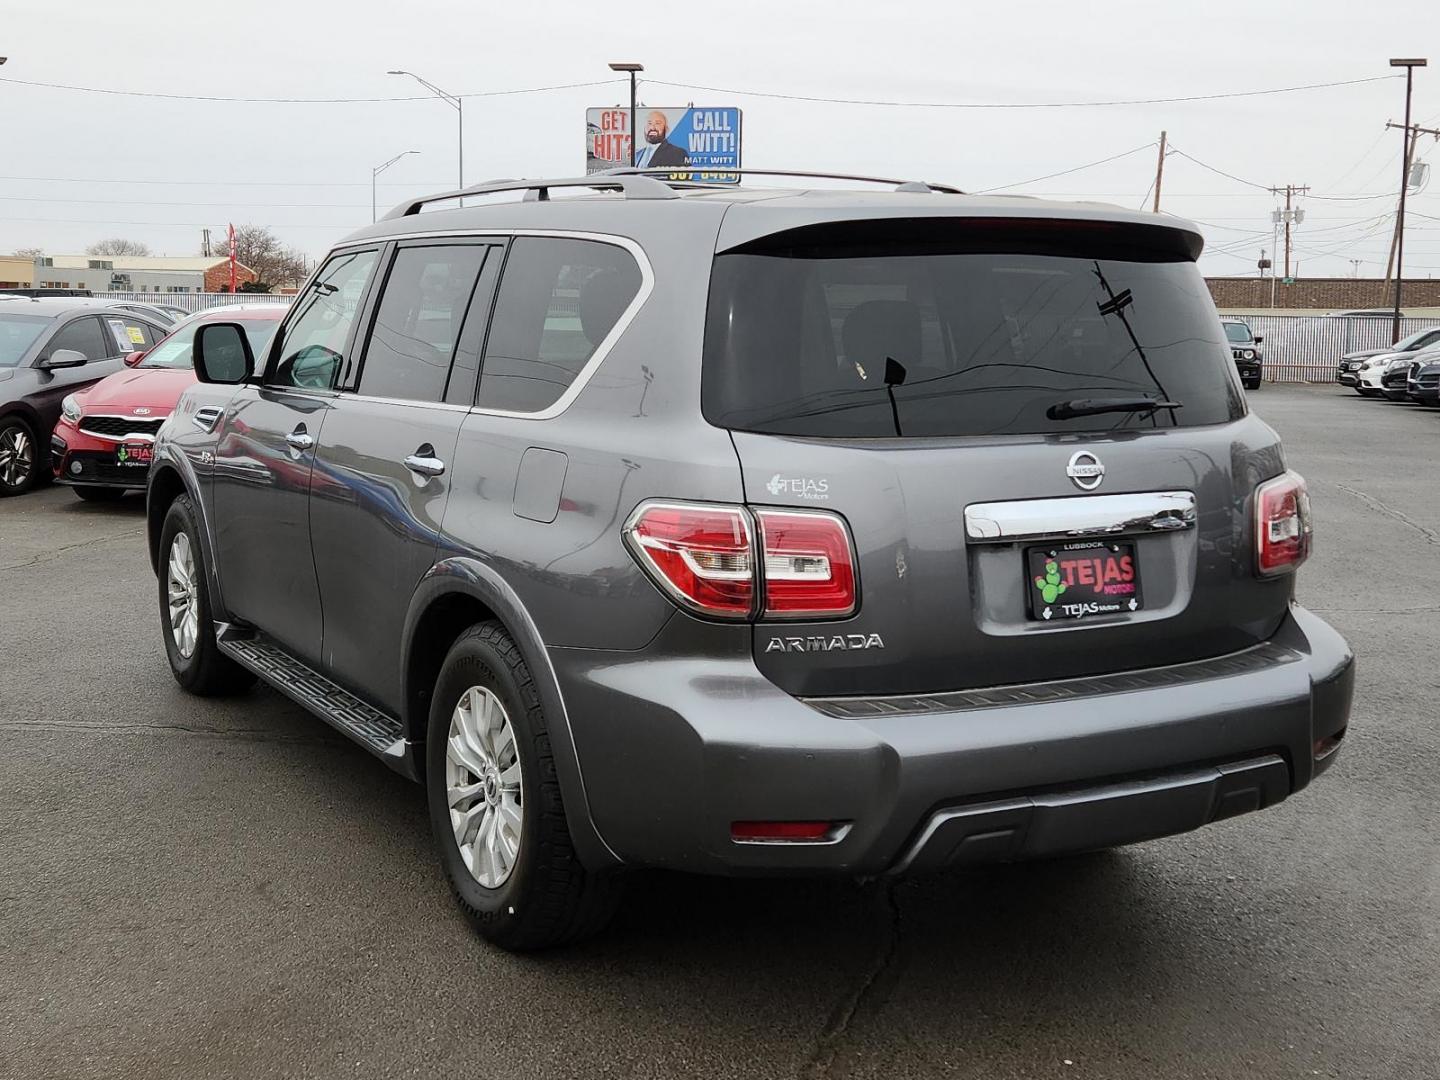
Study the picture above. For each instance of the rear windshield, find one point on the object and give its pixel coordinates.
(926, 331)
(17, 334)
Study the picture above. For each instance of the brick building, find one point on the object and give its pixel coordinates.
(1323, 294)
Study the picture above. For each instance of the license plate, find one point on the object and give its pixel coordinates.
(134, 453)
(1082, 580)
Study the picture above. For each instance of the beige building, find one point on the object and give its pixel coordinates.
(17, 272)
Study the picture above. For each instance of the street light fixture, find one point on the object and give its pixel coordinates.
(452, 100)
(1409, 65)
(632, 68)
(376, 171)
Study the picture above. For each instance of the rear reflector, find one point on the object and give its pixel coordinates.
(1282, 524)
(782, 832)
(699, 554)
(809, 567)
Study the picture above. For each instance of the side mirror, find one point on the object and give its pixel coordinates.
(1259, 338)
(222, 354)
(63, 358)
(131, 359)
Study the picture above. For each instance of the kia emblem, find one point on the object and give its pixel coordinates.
(1085, 470)
(142, 412)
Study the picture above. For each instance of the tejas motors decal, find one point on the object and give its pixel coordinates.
(805, 487)
(835, 643)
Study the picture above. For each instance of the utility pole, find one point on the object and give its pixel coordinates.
(1409, 134)
(1289, 216)
(1356, 263)
(1159, 173)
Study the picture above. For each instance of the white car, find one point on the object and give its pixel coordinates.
(1373, 370)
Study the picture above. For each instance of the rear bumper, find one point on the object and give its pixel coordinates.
(674, 748)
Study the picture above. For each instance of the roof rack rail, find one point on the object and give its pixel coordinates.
(632, 186)
(900, 185)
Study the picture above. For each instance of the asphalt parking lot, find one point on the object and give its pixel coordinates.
(204, 889)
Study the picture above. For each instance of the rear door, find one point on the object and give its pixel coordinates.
(929, 386)
(264, 457)
(385, 458)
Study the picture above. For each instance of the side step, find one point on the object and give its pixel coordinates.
(376, 731)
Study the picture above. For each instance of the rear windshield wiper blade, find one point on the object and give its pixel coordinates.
(1068, 410)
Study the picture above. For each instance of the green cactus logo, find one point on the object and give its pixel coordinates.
(1050, 585)
(122, 455)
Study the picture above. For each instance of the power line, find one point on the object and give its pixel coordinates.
(1067, 172)
(115, 181)
(178, 224)
(299, 100)
(1222, 172)
(1015, 105)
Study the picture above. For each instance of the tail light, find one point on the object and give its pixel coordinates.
(809, 568)
(1282, 524)
(702, 556)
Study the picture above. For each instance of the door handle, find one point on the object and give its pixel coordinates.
(300, 440)
(424, 465)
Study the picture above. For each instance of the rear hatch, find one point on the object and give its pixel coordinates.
(930, 381)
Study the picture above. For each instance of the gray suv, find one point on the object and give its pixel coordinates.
(754, 532)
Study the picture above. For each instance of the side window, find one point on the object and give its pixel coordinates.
(558, 300)
(313, 350)
(132, 334)
(84, 336)
(418, 321)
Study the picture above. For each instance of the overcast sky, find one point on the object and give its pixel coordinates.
(76, 167)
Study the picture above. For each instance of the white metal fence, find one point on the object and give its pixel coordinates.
(1307, 348)
(196, 301)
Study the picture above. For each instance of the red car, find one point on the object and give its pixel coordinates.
(102, 444)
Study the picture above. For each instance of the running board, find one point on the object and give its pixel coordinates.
(376, 731)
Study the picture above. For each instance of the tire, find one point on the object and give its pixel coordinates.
(99, 494)
(205, 671)
(545, 897)
(1253, 385)
(21, 456)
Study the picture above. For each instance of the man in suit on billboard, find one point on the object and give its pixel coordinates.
(657, 153)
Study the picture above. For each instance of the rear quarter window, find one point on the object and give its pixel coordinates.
(921, 329)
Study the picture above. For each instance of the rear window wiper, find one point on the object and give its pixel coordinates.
(1068, 410)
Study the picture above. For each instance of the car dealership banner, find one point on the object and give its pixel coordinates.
(693, 140)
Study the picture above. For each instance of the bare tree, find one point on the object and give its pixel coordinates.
(118, 245)
(29, 253)
(262, 251)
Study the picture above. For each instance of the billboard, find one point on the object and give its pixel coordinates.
(692, 139)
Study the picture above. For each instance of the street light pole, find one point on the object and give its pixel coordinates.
(632, 68)
(455, 102)
(376, 171)
(1409, 65)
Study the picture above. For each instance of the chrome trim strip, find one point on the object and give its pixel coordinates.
(1079, 516)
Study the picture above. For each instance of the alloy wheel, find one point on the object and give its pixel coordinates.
(483, 787)
(16, 456)
(184, 594)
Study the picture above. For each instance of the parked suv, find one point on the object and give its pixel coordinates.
(1245, 348)
(754, 532)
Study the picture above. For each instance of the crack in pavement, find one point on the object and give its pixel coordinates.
(880, 971)
(123, 728)
(55, 553)
(1430, 535)
(1426, 610)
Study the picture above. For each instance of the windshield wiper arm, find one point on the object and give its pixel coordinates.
(1068, 410)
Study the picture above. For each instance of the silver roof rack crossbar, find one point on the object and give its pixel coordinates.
(900, 185)
(632, 186)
